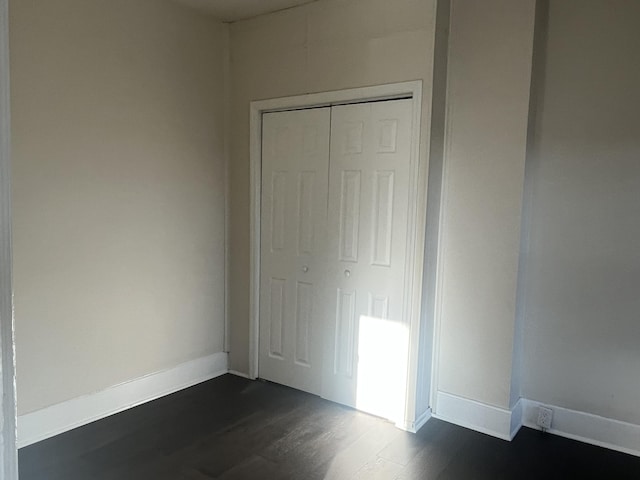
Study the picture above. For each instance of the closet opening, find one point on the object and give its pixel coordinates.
(338, 217)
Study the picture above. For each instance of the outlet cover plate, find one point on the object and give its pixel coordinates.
(545, 417)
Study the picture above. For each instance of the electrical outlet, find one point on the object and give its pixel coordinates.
(545, 417)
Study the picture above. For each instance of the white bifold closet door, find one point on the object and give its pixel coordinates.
(366, 346)
(334, 238)
(295, 169)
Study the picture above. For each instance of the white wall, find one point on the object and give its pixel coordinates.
(118, 112)
(582, 270)
(322, 46)
(489, 72)
(8, 452)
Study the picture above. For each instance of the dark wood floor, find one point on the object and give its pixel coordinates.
(232, 428)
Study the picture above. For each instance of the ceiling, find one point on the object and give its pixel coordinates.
(234, 10)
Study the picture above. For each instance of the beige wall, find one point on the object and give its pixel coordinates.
(436, 153)
(322, 46)
(582, 270)
(118, 192)
(487, 114)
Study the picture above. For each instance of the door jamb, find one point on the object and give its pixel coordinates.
(416, 214)
(8, 419)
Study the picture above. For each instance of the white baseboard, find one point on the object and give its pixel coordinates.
(503, 423)
(477, 416)
(238, 374)
(418, 423)
(585, 427)
(516, 418)
(39, 425)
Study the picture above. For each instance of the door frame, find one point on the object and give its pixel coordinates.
(8, 418)
(416, 215)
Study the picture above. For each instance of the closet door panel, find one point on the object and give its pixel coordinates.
(295, 162)
(366, 351)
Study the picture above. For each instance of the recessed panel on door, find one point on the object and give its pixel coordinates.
(306, 212)
(382, 226)
(276, 317)
(304, 315)
(278, 209)
(344, 333)
(349, 215)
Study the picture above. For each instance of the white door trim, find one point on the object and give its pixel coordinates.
(8, 419)
(416, 214)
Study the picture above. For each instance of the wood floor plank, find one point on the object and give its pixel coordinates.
(379, 469)
(403, 449)
(256, 467)
(441, 444)
(347, 462)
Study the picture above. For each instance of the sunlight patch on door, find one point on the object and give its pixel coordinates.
(382, 367)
